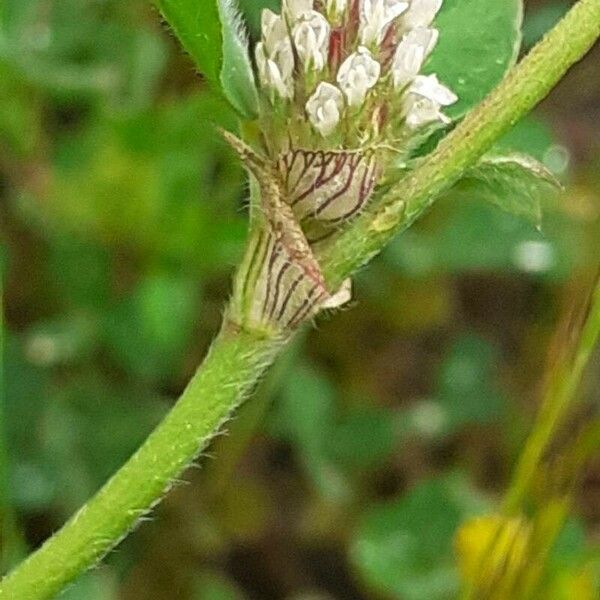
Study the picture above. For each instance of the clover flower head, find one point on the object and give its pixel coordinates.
(342, 98)
(361, 60)
(324, 108)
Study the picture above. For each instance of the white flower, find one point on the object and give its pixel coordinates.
(411, 54)
(275, 56)
(273, 29)
(422, 111)
(357, 75)
(294, 9)
(276, 73)
(430, 87)
(324, 108)
(341, 297)
(421, 13)
(376, 17)
(424, 100)
(311, 39)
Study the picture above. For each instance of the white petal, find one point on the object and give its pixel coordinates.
(341, 297)
(311, 39)
(411, 53)
(429, 87)
(261, 62)
(324, 108)
(407, 64)
(357, 75)
(393, 9)
(294, 9)
(276, 73)
(268, 20)
(273, 29)
(376, 17)
(420, 111)
(425, 37)
(421, 13)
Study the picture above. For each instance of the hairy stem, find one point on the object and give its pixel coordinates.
(230, 371)
(237, 359)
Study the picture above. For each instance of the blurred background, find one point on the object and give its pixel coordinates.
(121, 218)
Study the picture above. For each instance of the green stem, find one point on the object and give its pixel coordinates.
(230, 371)
(229, 449)
(237, 360)
(558, 400)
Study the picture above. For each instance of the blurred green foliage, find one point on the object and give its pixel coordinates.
(122, 216)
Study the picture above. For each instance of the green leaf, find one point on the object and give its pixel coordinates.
(516, 183)
(467, 391)
(198, 28)
(213, 34)
(491, 241)
(530, 136)
(363, 438)
(535, 137)
(237, 76)
(85, 55)
(148, 332)
(252, 10)
(304, 417)
(541, 20)
(479, 42)
(404, 548)
(304, 413)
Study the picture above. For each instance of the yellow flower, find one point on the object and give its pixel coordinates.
(490, 551)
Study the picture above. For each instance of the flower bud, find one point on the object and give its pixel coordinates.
(424, 100)
(294, 9)
(324, 108)
(275, 69)
(411, 54)
(275, 56)
(421, 13)
(357, 75)
(273, 29)
(311, 40)
(376, 17)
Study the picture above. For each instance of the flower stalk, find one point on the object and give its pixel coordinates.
(241, 353)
